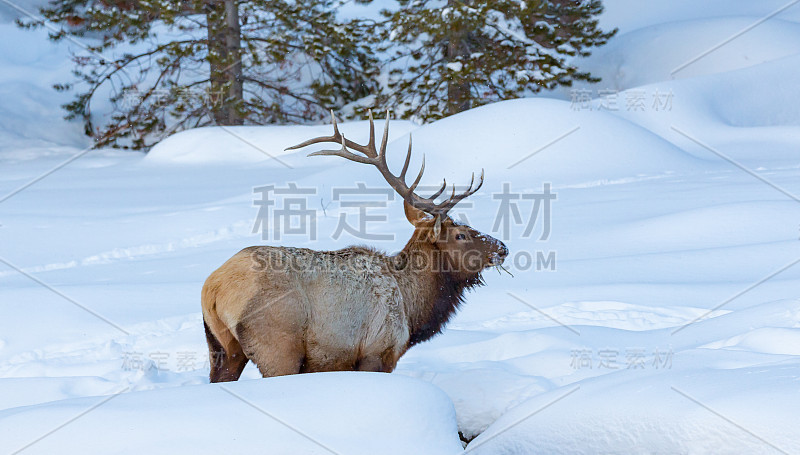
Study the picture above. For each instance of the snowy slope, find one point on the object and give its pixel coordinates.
(671, 323)
(251, 416)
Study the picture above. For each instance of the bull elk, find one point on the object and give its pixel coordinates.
(296, 310)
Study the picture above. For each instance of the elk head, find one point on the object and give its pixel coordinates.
(443, 244)
(439, 243)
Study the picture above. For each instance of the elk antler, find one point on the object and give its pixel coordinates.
(377, 157)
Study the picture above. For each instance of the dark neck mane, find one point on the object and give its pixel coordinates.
(431, 297)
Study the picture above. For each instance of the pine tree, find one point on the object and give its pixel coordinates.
(452, 55)
(166, 66)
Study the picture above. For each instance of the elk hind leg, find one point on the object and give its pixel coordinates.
(275, 353)
(226, 365)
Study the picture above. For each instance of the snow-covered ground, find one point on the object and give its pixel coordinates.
(670, 323)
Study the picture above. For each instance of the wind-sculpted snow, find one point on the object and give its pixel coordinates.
(662, 52)
(667, 319)
(695, 411)
(250, 144)
(352, 413)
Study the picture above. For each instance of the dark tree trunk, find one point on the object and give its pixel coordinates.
(224, 45)
(458, 92)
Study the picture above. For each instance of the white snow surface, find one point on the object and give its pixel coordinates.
(248, 144)
(250, 416)
(671, 323)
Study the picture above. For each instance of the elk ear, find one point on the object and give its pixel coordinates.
(437, 229)
(414, 215)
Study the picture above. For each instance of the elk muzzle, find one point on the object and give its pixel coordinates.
(498, 256)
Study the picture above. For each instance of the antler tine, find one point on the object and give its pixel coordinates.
(438, 193)
(337, 136)
(479, 184)
(369, 149)
(408, 160)
(335, 126)
(419, 177)
(455, 199)
(385, 138)
(471, 182)
(344, 153)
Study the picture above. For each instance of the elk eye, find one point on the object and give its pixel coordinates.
(460, 236)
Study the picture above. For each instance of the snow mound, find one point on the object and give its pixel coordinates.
(630, 15)
(754, 124)
(668, 51)
(743, 399)
(543, 139)
(538, 140)
(611, 415)
(760, 97)
(770, 340)
(251, 143)
(352, 413)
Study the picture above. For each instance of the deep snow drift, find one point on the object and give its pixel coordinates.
(658, 310)
(250, 416)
